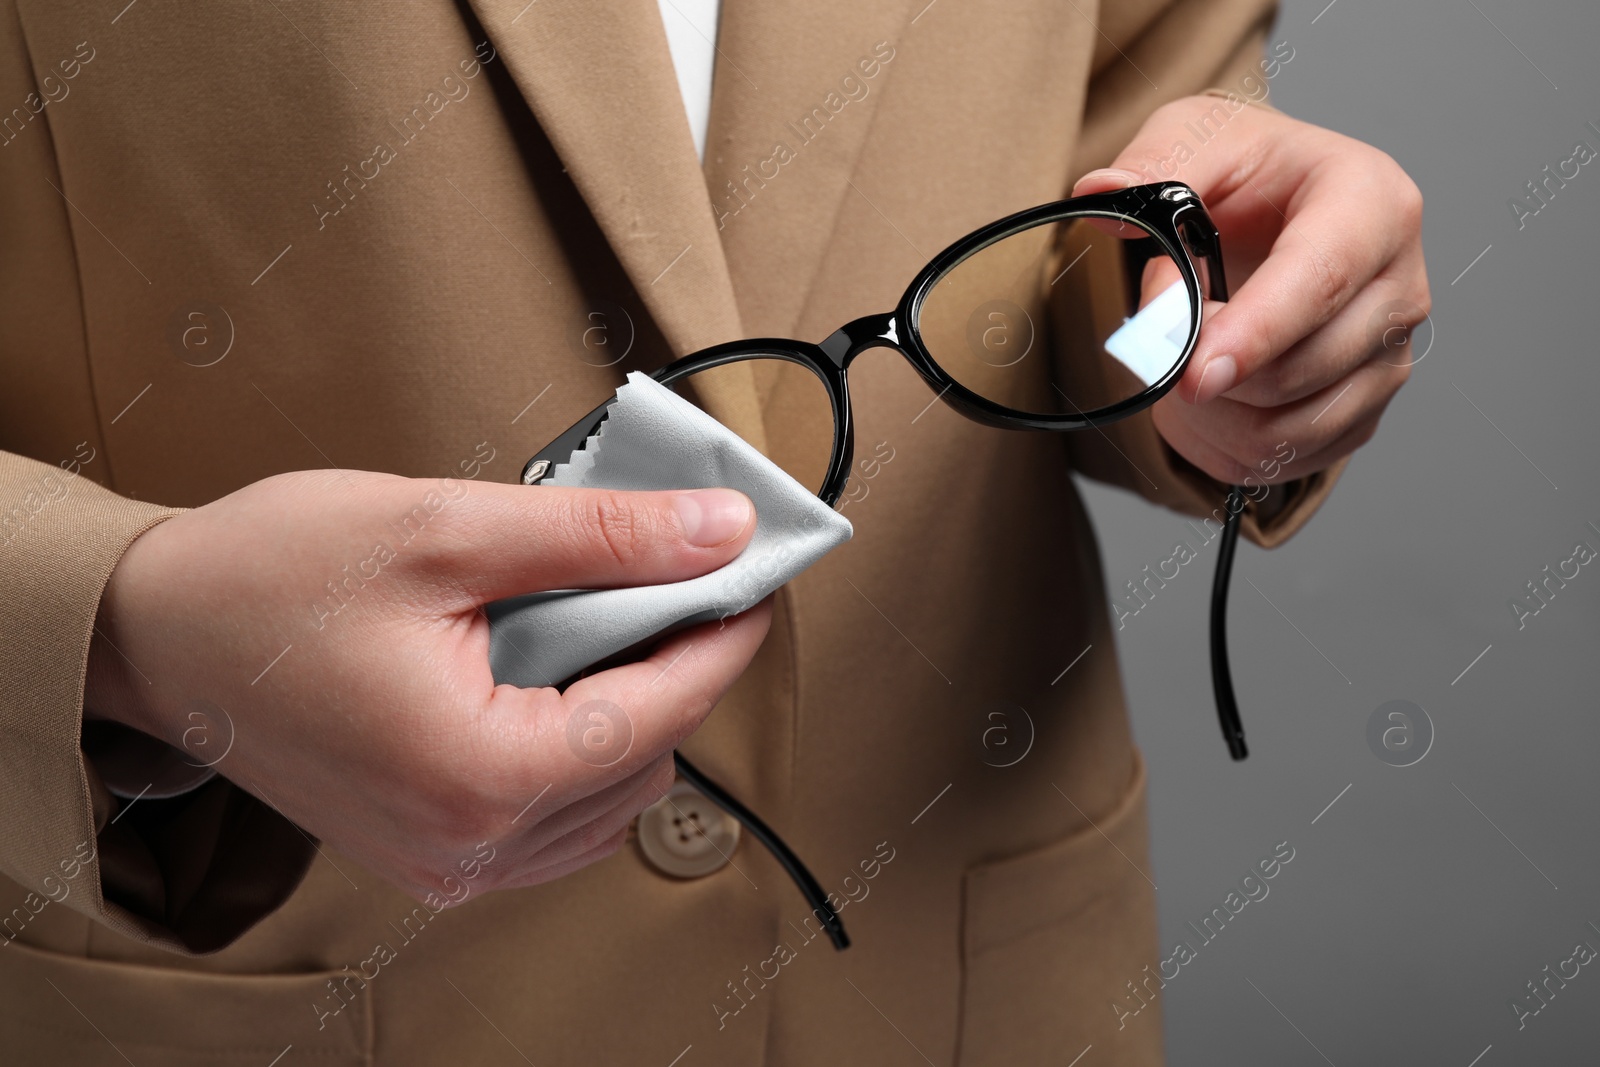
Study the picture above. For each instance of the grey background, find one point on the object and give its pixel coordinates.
(1409, 918)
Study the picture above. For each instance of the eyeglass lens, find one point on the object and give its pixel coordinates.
(1067, 317)
(805, 448)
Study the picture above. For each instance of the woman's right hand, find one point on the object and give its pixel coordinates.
(377, 726)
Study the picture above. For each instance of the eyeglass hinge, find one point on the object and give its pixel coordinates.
(536, 471)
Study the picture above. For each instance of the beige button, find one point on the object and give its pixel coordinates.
(685, 835)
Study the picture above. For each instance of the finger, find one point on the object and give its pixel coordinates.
(1229, 470)
(1331, 227)
(585, 837)
(605, 849)
(1241, 154)
(1213, 172)
(1363, 331)
(1351, 438)
(1233, 442)
(503, 540)
(607, 726)
(1321, 260)
(670, 693)
(521, 850)
(644, 787)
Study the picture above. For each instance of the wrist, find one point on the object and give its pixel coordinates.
(114, 689)
(110, 687)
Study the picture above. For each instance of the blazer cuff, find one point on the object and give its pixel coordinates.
(166, 872)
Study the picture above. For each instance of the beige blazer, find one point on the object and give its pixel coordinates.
(389, 223)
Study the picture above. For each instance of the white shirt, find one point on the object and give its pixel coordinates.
(692, 39)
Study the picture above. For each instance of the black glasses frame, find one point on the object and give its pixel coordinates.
(1169, 212)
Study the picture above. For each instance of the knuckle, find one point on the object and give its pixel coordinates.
(1401, 374)
(661, 779)
(1392, 328)
(1245, 466)
(1408, 313)
(472, 806)
(464, 813)
(1229, 470)
(487, 878)
(1330, 286)
(609, 846)
(421, 878)
(618, 525)
(1240, 473)
(1421, 296)
(592, 835)
(428, 535)
(1386, 181)
(1425, 300)
(1407, 200)
(688, 719)
(1355, 436)
(1258, 442)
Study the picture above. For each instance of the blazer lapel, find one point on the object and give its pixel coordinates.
(599, 78)
(796, 90)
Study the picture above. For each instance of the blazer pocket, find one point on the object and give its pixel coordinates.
(1050, 940)
(57, 1009)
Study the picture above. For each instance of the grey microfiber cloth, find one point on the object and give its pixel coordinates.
(655, 439)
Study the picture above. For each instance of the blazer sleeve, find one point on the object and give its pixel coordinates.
(189, 873)
(1189, 47)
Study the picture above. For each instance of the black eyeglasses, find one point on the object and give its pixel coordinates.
(989, 327)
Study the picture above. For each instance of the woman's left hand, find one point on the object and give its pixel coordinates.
(1322, 239)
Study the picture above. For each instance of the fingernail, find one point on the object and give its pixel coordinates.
(1123, 178)
(1216, 378)
(713, 517)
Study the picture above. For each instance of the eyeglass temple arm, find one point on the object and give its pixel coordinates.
(1205, 242)
(775, 845)
(1221, 676)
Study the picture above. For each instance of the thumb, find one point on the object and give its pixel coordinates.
(1106, 179)
(1209, 143)
(515, 539)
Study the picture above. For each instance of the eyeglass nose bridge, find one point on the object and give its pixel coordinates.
(854, 338)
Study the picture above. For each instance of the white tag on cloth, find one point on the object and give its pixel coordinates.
(654, 439)
(1150, 342)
